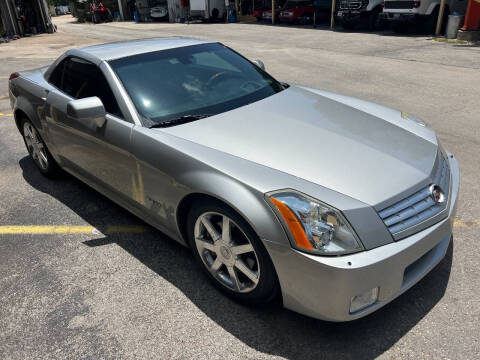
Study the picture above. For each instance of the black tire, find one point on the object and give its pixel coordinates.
(430, 25)
(49, 168)
(348, 25)
(400, 27)
(267, 288)
(375, 22)
(215, 14)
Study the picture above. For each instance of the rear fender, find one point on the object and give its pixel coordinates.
(23, 108)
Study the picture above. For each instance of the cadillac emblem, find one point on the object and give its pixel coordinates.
(437, 194)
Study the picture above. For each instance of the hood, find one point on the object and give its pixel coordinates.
(335, 144)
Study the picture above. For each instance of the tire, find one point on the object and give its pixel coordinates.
(215, 14)
(400, 28)
(348, 25)
(38, 151)
(374, 20)
(430, 25)
(219, 259)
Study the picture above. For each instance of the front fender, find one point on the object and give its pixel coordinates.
(247, 202)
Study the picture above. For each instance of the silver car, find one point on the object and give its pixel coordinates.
(334, 204)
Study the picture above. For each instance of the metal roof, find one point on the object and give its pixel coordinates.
(121, 49)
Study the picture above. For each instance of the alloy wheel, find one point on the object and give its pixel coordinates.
(35, 145)
(227, 252)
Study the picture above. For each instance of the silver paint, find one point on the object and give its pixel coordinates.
(357, 156)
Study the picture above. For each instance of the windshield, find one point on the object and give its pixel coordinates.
(192, 80)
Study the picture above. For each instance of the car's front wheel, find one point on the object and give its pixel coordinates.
(231, 254)
(38, 150)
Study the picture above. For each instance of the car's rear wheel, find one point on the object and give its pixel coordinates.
(38, 150)
(231, 254)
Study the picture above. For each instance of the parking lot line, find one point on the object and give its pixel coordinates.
(71, 229)
(111, 229)
(7, 115)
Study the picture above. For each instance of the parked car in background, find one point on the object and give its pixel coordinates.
(159, 11)
(258, 14)
(297, 11)
(267, 14)
(353, 12)
(62, 10)
(422, 13)
(322, 8)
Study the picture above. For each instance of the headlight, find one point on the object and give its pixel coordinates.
(415, 120)
(314, 226)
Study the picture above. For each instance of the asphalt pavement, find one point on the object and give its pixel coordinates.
(82, 278)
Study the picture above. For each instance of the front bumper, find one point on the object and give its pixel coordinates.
(348, 15)
(322, 287)
(408, 17)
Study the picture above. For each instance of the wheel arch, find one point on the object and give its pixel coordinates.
(23, 109)
(188, 200)
(19, 115)
(182, 216)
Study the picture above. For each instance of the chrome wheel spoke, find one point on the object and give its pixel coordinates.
(28, 140)
(34, 153)
(234, 278)
(226, 230)
(242, 249)
(216, 264)
(209, 227)
(205, 244)
(43, 159)
(30, 132)
(240, 265)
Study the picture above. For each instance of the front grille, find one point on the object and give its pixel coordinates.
(398, 4)
(351, 4)
(420, 206)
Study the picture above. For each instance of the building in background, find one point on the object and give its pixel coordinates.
(24, 17)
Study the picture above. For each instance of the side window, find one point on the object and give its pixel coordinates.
(57, 75)
(74, 76)
(80, 79)
(96, 85)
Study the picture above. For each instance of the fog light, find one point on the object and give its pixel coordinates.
(361, 301)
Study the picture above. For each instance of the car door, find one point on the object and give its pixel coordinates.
(99, 155)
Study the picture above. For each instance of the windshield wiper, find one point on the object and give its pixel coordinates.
(180, 120)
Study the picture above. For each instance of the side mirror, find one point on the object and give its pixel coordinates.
(90, 109)
(260, 64)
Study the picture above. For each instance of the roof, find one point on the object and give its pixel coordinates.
(121, 49)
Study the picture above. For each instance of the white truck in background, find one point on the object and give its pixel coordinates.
(353, 12)
(423, 13)
(212, 10)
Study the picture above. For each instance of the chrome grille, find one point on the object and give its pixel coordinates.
(399, 5)
(419, 206)
(350, 5)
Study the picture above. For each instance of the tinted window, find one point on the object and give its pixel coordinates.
(203, 79)
(80, 79)
(57, 75)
